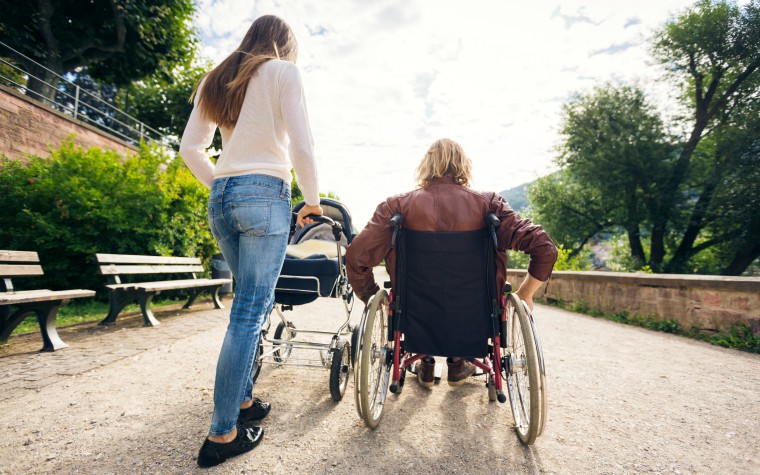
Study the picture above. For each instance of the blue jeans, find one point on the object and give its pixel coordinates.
(249, 216)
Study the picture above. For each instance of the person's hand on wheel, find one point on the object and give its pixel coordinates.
(301, 218)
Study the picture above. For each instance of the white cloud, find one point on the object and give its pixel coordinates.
(385, 79)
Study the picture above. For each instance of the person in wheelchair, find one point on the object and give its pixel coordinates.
(444, 202)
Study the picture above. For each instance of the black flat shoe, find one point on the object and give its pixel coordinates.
(214, 453)
(257, 411)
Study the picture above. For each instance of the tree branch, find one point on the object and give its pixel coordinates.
(732, 88)
(92, 52)
(46, 13)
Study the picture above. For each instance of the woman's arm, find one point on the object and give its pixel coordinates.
(293, 103)
(198, 135)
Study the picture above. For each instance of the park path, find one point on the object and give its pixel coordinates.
(127, 399)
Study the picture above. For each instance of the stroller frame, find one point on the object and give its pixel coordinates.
(334, 354)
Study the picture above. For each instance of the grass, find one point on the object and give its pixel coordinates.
(739, 337)
(83, 312)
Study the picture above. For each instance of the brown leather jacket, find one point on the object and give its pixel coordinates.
(445, 206)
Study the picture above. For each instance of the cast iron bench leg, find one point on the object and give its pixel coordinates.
(46, 318)
(215, 296)
(11, 320)
(194, 293)
(149, 320)
(117, 301)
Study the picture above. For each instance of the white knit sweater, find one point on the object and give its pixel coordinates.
(273, 114)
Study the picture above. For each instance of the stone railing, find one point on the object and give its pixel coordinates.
(706, 303)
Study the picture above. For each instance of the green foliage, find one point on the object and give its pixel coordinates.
(115, 41)
(296, 195)
(567, 260)
(163, 102)
(686, 203)
(740, 337)
(80, 202)
(571, 212)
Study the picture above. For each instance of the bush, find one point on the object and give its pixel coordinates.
(79, 202)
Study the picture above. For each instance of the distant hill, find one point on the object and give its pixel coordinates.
(517, 197)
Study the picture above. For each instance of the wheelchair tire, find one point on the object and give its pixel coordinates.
(283, 353)
(372, 373)
(339, 368)
(522, 372)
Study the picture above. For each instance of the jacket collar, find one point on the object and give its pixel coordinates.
(439, 180)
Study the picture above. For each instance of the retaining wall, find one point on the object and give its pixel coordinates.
(29, 127)
(706, 303)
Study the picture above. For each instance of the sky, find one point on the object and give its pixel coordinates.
(385, 78)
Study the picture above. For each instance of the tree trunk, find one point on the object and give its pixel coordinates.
(634, 241)
(42, 84)
(657, 246)
(742, 259)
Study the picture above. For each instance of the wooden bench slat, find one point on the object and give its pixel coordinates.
(19, 270)
(135, 259)
(18, 256)
(7, 298)
(180, 284)
(111, 269)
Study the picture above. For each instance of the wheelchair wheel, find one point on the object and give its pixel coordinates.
(341, 361)
(522, 373)
(372, 372)
(284, 332)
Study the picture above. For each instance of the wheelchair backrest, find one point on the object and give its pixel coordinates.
(444, 286)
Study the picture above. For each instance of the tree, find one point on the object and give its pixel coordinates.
(617, 152)
(713, 53)
(570, 212)
(163, 102)
(117, 41)
(692, 194)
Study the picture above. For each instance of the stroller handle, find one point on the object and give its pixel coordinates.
(323, 219)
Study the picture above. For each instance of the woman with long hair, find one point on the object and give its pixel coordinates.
(255, 97)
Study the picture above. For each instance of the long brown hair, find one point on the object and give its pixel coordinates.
(445, 159)
(269, 37)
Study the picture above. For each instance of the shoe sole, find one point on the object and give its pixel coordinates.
(457, 383)
(426, 384)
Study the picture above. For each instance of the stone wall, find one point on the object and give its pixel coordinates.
(29, 127)
(707, 303)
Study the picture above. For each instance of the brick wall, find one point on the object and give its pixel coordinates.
(708, 303)
(28, 127)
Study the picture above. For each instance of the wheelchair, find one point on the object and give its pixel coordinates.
(314, 267)
(444, 302)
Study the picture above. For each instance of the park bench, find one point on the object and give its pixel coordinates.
(120, 294)
(16, 305)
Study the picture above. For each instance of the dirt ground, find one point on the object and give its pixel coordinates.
(621, 400)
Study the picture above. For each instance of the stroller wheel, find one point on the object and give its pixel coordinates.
(287, 333)
(339, 368)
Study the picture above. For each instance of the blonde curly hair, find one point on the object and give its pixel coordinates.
(444, 159)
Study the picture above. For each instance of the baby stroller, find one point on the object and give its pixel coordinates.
(314, 267)
(444, 302)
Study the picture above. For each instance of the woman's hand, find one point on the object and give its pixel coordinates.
(301, 218)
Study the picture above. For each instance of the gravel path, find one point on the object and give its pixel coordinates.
(621, 400)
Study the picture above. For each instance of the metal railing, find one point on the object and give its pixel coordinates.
(80, 103)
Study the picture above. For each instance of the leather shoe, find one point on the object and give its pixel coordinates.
(214, 453)
(258, 410)
(459, 371)
(425, 370)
